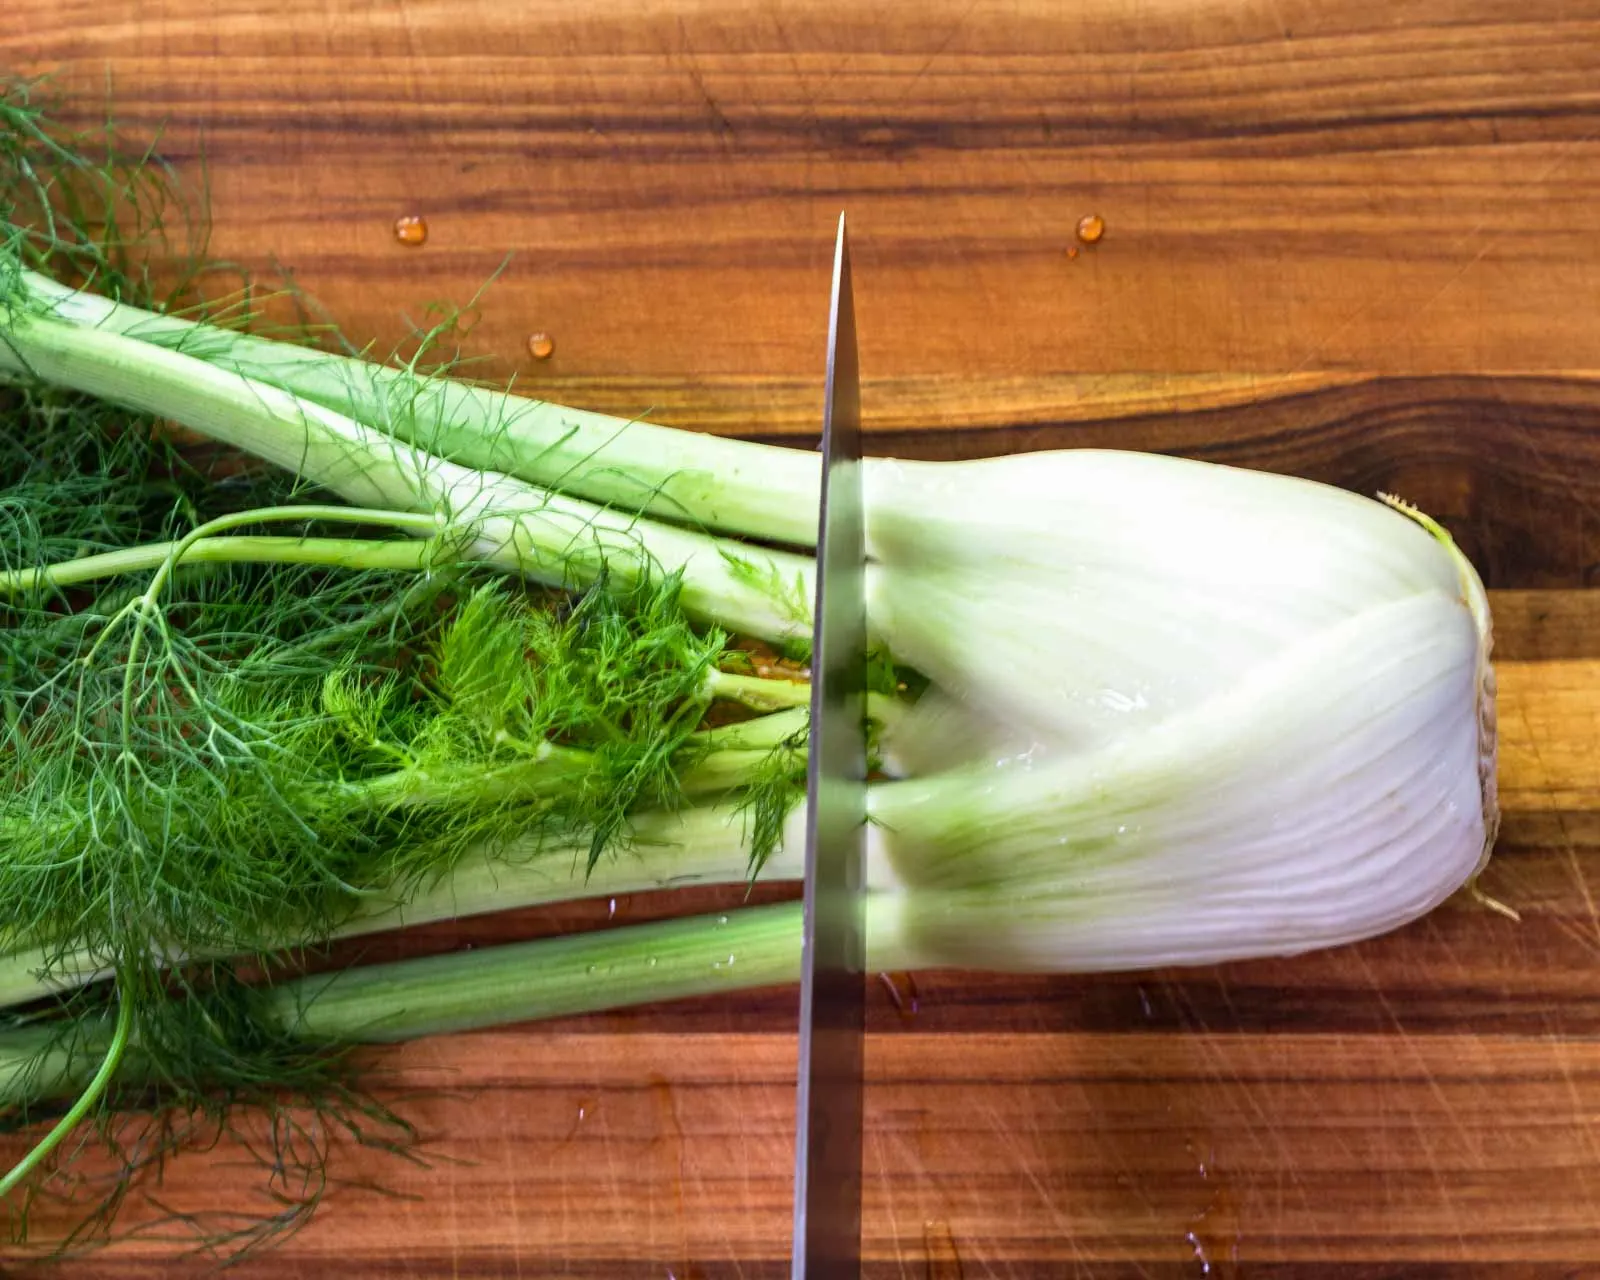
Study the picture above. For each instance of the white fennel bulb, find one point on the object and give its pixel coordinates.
(1084, 590)
(1202, 714)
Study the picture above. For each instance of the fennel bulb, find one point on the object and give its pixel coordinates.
(1109, 589)
(1190, 713)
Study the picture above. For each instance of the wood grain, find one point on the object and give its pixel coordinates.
(1353, 241)
(1285, 186)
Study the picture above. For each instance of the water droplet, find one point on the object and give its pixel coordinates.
(1214, 1230)
(611, 910)
(1091, 227)
(650, 963)
(730, 962)
(722, 920)
(411, 230)
(1072, 252)
(1144, 1003)
(587, 1106)
(541, 346)
(939, 1249)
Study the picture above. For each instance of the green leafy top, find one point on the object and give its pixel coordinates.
(208, 759)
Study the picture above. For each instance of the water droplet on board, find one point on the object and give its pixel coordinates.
(1091, 227)
(939, 1248)
(541, 346)
(901, 989)
(1213, 1233)
(611, 909)
(587, 1107)
(1072, 252)
(411, 230)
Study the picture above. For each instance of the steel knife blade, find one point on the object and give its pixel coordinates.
(827, 1220)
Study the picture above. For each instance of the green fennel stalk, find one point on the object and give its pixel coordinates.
(515, 526)
(374, 1004)
(722, 485)
(705, 843)
(702, 844)
(333, 553)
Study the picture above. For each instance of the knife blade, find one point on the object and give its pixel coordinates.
(827, 1221)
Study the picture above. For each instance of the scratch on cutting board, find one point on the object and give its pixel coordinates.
(720, 124)
(746, 1160)
(813, 123)
(412, 48)
(728, 1241)
(1447, 1199)
(956, 28)
(1022, 1161)
(1569, 848)
(566, 1221)
(607, 1147)
(510, 1163)
(773, 1125)
(455, 1230)
(1217, 1065)
(1263, 1130)
(1548, 470)
(1510, 874)
(1475, 232)
(669, 1138)
(886, 1181)
(1441, 939)
(1559, 1047)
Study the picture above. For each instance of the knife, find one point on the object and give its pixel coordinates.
(827, 1205)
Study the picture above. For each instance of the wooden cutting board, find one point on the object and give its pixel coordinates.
(1359, 242)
